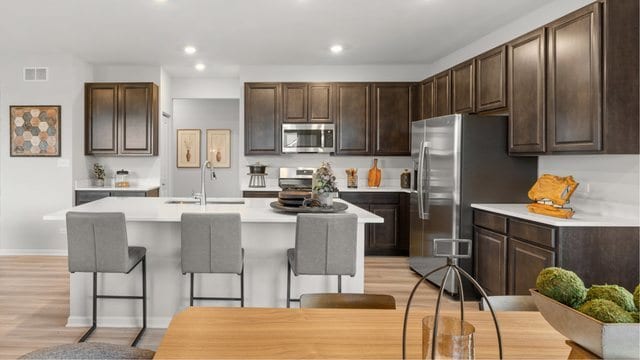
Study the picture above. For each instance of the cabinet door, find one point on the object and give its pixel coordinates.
(491, 80)
(392, 118)
(525, 263)
(294, 101)
(262, 119)
(442, 94)
(137, 119)
(383, 239)
(428, 95)
(463, 88)
(353, 120)
(574, 88)
(101, 118)
(490, 261)
(526, 93)
(320, 103)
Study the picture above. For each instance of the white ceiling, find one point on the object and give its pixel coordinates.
(232, 33)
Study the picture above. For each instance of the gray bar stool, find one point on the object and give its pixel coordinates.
(325, 245)
(98, 244)
(212, 243)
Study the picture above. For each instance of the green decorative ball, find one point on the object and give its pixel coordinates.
(561, 285)
(615, 293)
(606, 311)
(636, 297)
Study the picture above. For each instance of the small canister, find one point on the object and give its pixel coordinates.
(405, 179)
(122, 178)
(352, 178)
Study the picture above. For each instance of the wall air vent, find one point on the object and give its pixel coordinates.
(36, 74)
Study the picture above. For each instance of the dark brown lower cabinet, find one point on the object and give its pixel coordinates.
(525, 263)
(390, 238)
(509, 252)
(86, 196)
(260, 194)
(491, 274)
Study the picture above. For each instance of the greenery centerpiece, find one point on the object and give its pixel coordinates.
(98, 174)
(324, 184)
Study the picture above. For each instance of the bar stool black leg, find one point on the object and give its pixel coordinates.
(288, 284)
(339, 284)
(94, 320)
(191, 291)
(242, 287)
(144, 302)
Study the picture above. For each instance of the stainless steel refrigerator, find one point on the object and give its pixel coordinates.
(459, 160)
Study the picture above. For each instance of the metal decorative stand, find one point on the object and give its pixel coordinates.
(451, 266)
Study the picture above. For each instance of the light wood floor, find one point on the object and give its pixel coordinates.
(34, 302)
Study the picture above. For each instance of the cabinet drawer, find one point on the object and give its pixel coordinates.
(83, 197)
(534, 233)
(371, 197)
(490, 221)
(129, 193)
(260, 194)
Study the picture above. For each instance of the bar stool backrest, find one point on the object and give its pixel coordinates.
(211, 243)
(97, 242)
(326, 244)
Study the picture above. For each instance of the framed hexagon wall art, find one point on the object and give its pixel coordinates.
(35, 130)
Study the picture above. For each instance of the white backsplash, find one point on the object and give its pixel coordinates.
(609, 184)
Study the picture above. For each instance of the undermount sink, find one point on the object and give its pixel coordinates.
(213, 202)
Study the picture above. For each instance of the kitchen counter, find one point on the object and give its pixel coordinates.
(155, 225)
(580, 219)
(142, 187)
(342, 189)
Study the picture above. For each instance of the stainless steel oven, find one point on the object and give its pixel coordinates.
(308, 138)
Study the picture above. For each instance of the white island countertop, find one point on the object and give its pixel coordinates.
(381, 189)
(580, 219)
(148, 209)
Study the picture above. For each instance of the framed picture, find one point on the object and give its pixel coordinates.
(188, 148)
(219, 147)
(35, 130)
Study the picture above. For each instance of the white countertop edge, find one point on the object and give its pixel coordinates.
(113, 188)
(578, 220)
(360, 189)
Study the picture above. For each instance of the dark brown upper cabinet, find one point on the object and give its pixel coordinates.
(121, 119)
(427, 95)
(294, 105)
(392, 109)
(491, 80)
(353, 118)
(321, 103)
(442, 94)
(262, 118)
(574, 83)
(302, 103)
(526, 74)
(463, 96)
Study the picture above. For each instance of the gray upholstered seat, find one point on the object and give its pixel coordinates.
(325, 245)
(90, 351)
(509, 303)
(212, 243)
(97, 243)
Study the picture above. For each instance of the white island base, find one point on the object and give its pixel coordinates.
(266, 235)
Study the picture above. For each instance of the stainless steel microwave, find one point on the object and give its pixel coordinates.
(308, 138)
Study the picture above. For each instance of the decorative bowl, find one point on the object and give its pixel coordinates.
(609, 341)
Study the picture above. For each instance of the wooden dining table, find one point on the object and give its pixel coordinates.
(265, 333)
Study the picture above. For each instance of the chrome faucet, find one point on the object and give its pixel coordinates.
(203, 193)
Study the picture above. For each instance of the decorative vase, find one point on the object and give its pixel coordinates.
(405, 179)
(98, 182)
(375, 175)
(326, 199)
(188, 155)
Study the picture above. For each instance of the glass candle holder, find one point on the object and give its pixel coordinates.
(454, 339)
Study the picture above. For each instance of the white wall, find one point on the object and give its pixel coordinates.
(32, 187)
(206, 114)
(206, 88)
(609, 184)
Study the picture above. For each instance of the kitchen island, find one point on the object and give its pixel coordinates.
(155, 224)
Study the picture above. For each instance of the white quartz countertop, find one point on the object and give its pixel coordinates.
(342, 189)
(139, 209)
(580, 219)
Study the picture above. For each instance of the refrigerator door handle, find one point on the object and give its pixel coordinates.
(423, 192)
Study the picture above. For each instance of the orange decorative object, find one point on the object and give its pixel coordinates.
(375, 174)
(553, 188)
(550, 210)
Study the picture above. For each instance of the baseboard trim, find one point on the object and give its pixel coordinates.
(119, 322)
(32, 252)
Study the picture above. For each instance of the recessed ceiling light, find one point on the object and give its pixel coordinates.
(190, 50)
(336, 49)
(200, 67)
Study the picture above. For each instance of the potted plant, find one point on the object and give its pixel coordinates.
(324, 184)
(99, 174)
